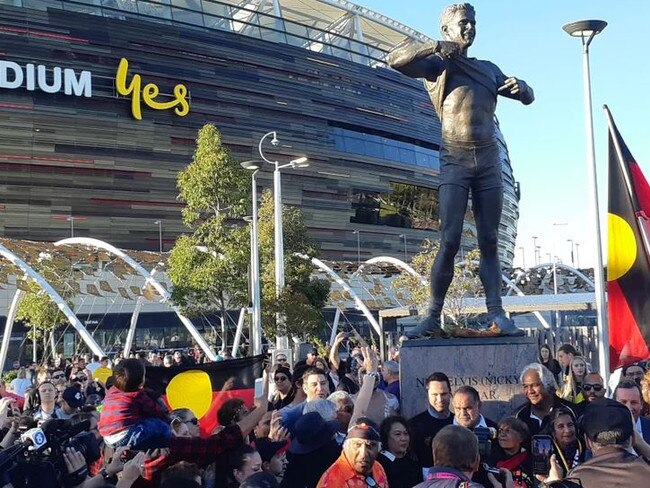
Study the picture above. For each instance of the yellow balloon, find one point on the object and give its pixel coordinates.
(190, 389)
(621, 247)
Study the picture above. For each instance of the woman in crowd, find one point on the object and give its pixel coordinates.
(184, 423)
(565, 354)
(512, 436)
(284, 389)
(244, 463)
(569, 449)
(546, 359)
(396, 457)
(572, 388)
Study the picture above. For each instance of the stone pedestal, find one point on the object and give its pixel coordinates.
(491, 365)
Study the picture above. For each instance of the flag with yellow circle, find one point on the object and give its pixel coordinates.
(628, 264)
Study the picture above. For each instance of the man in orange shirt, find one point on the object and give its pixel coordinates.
(356, 467)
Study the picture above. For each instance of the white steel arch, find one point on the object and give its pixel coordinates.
(395, 262)
(362, 306)
(96, 243)
(60, 302)
(573, 270)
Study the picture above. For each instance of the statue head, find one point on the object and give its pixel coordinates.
(452, 26)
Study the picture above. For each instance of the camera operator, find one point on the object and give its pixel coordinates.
(467, 413)
(456, 459)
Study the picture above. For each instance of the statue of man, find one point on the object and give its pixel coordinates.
(464, 93)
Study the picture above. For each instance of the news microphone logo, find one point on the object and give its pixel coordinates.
(35, 437)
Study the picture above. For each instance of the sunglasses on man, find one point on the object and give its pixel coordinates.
(588, 387)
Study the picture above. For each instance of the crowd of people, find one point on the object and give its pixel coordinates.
(322, 422)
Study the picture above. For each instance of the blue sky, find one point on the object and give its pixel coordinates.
(547, 139)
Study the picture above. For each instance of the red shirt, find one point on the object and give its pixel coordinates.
(122, 409)
(342, 475)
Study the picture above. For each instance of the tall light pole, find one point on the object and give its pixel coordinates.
(256, 340)
(406, 256)
(577, 255)
(160, 241)
(523, 257)
(71, 219)
(586, 30)
(282, 342)
(573, 263)
(358, 246)
(538, 254)
(535, 250)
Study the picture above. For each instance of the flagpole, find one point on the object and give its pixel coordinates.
(587, 30)
(641, 220)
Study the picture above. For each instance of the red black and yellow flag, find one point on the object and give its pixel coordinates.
(628, 265)
(203, 388)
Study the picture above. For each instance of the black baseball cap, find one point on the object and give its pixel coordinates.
(604, 414)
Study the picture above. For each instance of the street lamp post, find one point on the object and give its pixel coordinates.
(160, 240)
(282, 342)
(586, 30)
(71, 219)
(523, 257)
(577, 255)
(256, 340)
(406, 256)
(538, 254)
(573, 263)
(358, 246)
(535, 250)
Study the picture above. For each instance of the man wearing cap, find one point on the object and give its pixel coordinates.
(609, 433)
(357, 465)
(313, 449)
(72, 400)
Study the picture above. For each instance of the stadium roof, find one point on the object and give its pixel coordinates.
(335, 27)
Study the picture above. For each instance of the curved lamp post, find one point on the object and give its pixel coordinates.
(256, 341)
(282, 342)
(586, 30)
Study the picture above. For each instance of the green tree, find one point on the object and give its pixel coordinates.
(303, 297)
(36, 308)
(209, 266)
(466, 284)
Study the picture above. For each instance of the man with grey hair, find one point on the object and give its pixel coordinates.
(390, 375)
(539, 387)
(464, 93)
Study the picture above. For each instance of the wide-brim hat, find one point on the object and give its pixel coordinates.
(311, 432)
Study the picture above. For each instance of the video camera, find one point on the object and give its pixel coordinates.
(37, 459)
(485, 436)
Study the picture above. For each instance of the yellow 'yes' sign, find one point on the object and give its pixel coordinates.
(148, 93)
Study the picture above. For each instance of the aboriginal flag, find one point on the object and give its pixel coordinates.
(628, 265)
(204, 387)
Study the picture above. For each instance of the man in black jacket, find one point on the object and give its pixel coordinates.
(427, 424)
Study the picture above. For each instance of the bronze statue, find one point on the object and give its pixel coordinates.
(464, 93)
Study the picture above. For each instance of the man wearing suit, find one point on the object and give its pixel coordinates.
(629, 394)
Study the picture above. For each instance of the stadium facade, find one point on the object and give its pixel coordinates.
(101, 101)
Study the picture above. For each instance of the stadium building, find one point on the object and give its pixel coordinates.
(101, 101)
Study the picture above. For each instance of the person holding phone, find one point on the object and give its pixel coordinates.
(512, 436)
(568, 448)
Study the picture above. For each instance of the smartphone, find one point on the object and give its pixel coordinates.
(259, 387)
(542, 448)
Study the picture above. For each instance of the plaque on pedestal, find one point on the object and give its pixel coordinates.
(492, 365)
